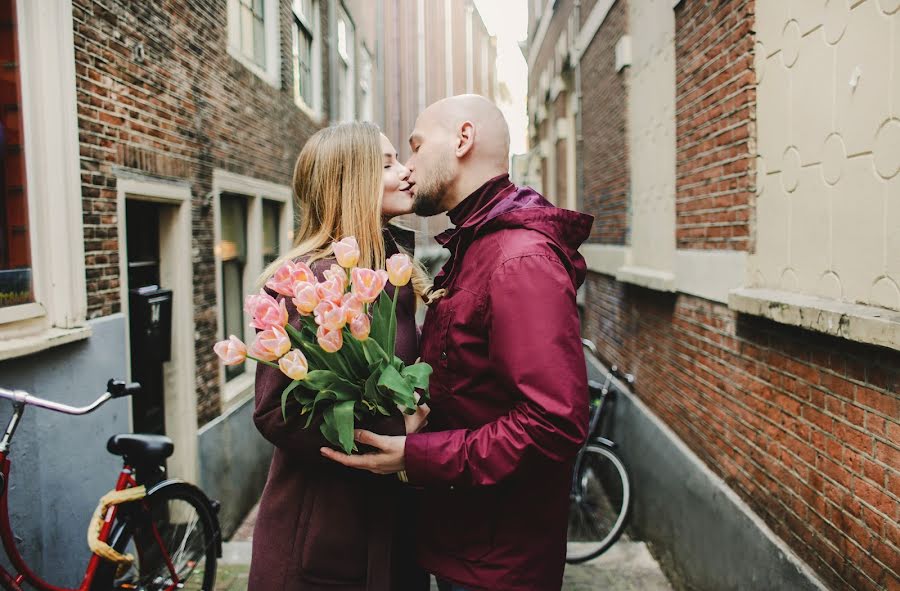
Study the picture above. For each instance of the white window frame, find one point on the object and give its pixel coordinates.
(53, 177)
(313, 25)
(272, 72)
(255, 190)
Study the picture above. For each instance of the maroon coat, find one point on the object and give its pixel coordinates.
(509, 406)
(320, 525)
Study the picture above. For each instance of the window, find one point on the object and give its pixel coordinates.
(253, 37)
(271, 231)
(305, 53)
(346, 74)
(233, 253)
(43, 301)
(15, 250)
(253, 31)
(252, 228)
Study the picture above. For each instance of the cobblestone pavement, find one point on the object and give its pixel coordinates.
(627, 566)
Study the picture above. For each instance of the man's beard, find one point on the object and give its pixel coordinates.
(429, 198)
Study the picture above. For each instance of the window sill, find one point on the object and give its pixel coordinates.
(20, 346)
(239, 387)
(646, 277)
(313, 114)
(272, 79)
(855, 322)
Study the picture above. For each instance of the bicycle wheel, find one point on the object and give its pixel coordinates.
(598, 505)
(172, 535)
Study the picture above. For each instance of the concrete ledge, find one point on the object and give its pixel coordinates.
(647, 277)
(18, 346)
(704, 535)
(604, 258)
(856, 322)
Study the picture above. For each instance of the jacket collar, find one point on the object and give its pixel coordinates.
(475, 208)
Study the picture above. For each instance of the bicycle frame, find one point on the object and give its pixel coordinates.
(23, 571)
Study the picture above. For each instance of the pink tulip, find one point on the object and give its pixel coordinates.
(232, 351)
(288, 275)
(360, 327)
(265, 310)
(306, 298)
(352, 305)
(399, 269)
(294, 365)
(338, 277)
(330, 315)
(271, 344)
(330, 291)
(367, 284)
(346, 252)
(331, 341)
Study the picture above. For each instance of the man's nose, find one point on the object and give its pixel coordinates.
(404, 172)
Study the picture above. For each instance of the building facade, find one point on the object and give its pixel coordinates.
(148, 150)
(741, 160)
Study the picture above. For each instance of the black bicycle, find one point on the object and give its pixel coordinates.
(600, 496)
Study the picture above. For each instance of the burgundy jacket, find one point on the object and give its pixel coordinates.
(509, 406)
(320, 525)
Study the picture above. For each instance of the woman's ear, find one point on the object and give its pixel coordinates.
(465, 139)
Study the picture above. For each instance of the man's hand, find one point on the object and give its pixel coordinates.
(388, 460)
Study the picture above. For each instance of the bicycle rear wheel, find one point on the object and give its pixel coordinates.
(172, 535)
(599, 503)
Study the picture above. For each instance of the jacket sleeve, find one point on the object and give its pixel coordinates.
(535, 350)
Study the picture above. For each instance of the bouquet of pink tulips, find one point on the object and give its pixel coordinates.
(341, 360)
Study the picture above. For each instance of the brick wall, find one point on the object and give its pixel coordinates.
(805, 427)
(604, 140)
(188, 108)
(715, 106)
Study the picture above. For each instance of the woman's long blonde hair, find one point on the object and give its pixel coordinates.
(338, 190)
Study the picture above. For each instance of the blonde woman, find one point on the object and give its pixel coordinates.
(320, 525)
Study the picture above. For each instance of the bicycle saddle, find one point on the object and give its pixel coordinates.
(141, 448)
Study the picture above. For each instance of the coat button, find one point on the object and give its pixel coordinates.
(443, 355)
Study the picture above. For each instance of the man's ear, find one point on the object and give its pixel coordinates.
(465, 140)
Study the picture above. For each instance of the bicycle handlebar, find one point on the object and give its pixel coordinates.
(115, 389)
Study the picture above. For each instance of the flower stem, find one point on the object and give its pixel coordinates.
(269, 363)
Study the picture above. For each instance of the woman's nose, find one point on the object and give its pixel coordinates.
(404, 172)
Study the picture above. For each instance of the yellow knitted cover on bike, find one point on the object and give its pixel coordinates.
(113, 497)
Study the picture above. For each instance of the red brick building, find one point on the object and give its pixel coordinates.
(743, 267)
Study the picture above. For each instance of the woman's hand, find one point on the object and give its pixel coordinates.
(416, 422)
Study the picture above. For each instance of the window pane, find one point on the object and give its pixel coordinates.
(246, 31)
(259, 41)
(15, 251)
(302, 64)
(233, 251)
(271, 225)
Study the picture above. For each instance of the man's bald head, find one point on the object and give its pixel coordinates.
(459, 143)
(491, 129)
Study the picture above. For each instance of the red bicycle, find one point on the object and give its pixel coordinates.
(160, 532)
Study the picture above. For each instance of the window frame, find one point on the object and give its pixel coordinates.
(255, 191)
(271, 73)
(312, 26)
(53, 180)
(346, 99)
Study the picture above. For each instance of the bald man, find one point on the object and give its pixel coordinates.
(509, 405)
